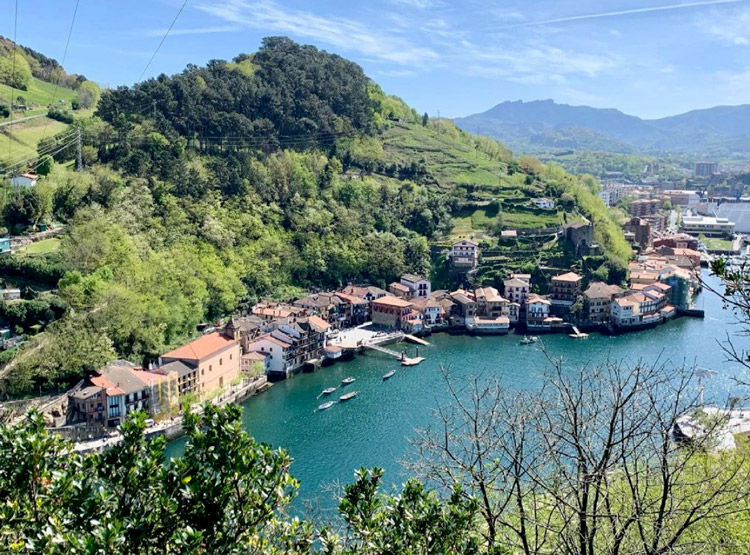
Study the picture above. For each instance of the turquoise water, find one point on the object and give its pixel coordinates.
(375, 428)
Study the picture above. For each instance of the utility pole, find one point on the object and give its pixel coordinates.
(79, 148)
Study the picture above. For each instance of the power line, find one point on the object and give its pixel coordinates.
(13, 77)
(62, 64)
(161, 41)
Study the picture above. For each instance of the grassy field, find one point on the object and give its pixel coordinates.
(38, 96)
(450, 155)
(19, 140)
(716, 244)
(40, 247)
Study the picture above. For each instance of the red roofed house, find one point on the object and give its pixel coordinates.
(566, 287)
(280, 350)
(215, 359)
(391, 312)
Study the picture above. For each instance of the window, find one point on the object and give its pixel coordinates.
(221, 361)
(210, 368)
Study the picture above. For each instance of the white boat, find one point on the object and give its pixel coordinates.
(347, 396)
(528, 340)
(347, 381)
(326, 406)
(328, 391)
(389, 374)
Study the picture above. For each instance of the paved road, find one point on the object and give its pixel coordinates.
(19, 120)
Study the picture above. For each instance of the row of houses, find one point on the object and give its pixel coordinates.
(279, 339)
(201, 367)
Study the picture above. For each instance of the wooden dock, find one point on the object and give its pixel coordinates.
(417, 340)
(403, 359)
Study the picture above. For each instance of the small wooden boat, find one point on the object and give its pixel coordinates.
(328, 391)
(347, 381)
(326, 406)
(389, 374)
(348, 396)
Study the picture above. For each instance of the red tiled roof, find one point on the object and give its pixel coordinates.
(110, 388)
(351, 298)
(570, 276)
(318, 322)
(255, 355)
(390, 300)
(202, 347)
(399, 286)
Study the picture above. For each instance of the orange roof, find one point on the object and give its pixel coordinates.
(351, 298)
(399, 287)
(660, 285)
(273, 312)
(110, 388)
(390, 300)
(255, 355)
(318, 322)
(202, 347)
(570, 276)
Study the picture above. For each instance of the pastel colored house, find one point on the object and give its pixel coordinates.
(391, 312)
(464, 254)
(215, 358)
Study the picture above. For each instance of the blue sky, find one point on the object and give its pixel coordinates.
(649, 58)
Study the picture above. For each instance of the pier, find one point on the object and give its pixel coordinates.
(405, 361)
(577, 334)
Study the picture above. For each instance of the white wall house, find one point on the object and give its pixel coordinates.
(24, 180)
(276, 350)
(419, 287)
(465, 254)
(544, 203)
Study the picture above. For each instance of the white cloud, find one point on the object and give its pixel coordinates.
(396, 73)
(194, 31)
(418, 4)
(536, 63)
(632, 11)
(343, 33)
(732, 29)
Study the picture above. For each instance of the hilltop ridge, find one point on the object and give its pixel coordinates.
(544, 124)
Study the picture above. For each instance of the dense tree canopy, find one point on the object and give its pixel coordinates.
(226, 494)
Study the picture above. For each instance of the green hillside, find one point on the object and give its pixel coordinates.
(246, 185)
(37, 97)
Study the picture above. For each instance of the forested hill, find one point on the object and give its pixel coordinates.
(276, 172)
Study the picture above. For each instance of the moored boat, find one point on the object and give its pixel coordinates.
(347, 381)
(326, 406)
(328, 391)
(348, 396)
(389, 374)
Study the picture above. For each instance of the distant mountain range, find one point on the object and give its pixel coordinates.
(544, 125)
